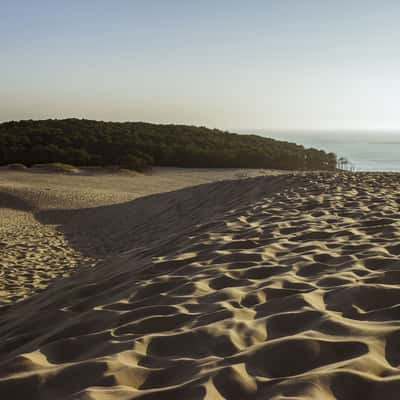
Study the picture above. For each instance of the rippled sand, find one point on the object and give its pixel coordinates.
(41, 241)
(275, 287)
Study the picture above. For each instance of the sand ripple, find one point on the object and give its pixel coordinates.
(288, 287)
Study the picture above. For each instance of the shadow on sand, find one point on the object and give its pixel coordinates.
(139, 224)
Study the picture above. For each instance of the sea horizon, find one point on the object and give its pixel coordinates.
(369, 151)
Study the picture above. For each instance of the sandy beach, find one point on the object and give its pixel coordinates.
(199, 284)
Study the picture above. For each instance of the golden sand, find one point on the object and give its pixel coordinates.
(274, 287)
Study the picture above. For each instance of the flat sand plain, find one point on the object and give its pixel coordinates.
(272, 287)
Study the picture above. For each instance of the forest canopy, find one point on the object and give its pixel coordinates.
(140, 145)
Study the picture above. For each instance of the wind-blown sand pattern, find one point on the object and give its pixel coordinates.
(281, 287)
(34, 250)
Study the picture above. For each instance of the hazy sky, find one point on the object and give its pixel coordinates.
(272, 64)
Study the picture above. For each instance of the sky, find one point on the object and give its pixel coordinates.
(267, 64)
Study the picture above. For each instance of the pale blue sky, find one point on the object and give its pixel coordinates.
(282, 64)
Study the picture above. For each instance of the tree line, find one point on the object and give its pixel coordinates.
(140, 145)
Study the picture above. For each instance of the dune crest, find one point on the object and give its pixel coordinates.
(266, 288)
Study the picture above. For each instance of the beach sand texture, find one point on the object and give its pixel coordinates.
(274, 287)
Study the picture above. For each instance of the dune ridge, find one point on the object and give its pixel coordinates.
(276, 287)
(53, 225)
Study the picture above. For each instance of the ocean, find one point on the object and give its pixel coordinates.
(367, 151)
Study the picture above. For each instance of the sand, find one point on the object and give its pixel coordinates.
(273, 287)
(40, 241)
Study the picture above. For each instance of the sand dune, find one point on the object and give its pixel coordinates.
(279, 287)
(40, 240)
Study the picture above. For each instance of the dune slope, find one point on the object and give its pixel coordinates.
(52, 225)
(267, 288)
